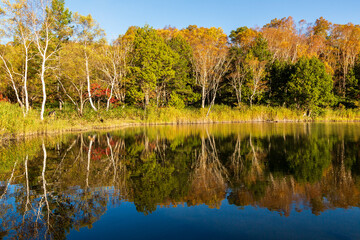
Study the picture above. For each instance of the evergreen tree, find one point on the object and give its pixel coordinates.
(152, 67)
(310, 86)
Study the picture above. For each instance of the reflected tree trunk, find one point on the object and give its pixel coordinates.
(111, 156)
(27, 184)
(9, 181)
(255, 161)
(44, 199)
(209, 176)
(92, 139)
(236, 161)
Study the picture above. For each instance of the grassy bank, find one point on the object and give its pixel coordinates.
(13, 123)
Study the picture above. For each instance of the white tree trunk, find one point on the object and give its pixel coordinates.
(111, 94)
(25, 79)
(88, 81)
(203, 96)
(42, 76)
(13, 83)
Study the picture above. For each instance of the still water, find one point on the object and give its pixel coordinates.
(229, 181)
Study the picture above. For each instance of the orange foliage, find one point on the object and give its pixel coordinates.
(168, 33)
(282, 39)
(3, 99)
(207, 44)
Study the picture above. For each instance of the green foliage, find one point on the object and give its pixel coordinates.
(152, 67)
(176, 102)
(353, 83)
(304, 157)
(62, 18)
(309, 160)
(310, 86)
(17, 153)
(260, 49)
(234, 35)
(279, 75)
(87, 30)
(183, 83)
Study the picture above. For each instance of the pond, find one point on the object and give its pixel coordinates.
(221, 181)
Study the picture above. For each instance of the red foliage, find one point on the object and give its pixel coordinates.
(98, 154)
(100, 93)
(3, 99)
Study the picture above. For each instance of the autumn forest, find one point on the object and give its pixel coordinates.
(56, 60)
(259, 125)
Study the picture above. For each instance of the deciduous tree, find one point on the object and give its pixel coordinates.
(210, 50)
(87, 34)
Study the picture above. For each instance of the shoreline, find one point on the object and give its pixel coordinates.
(101, 126)
(13, 126)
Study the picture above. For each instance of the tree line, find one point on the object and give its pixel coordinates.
(51, 57)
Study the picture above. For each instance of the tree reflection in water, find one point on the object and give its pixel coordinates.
(52, 185)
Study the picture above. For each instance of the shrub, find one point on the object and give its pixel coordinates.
(176, 102)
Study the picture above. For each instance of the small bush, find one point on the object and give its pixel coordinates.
(176, 102)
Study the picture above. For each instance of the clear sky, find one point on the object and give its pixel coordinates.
(115, 16)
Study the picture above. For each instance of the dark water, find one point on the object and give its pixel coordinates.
(233, 181)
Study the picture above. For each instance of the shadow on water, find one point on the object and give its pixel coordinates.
(49, 186)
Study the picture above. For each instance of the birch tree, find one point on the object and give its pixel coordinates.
(43, 22)
(209, 46)
(114, 65)
(243, 40)
(18, 27)
(73, 82)
(346, 40)
(282, 39)
(9, 59)
(257, 84)
(87, 33)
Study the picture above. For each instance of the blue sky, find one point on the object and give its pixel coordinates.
(115, 16)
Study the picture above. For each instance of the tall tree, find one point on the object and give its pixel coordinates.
(346, 41)
(279, 74)
(250, 56)
(41, 22)
(210, 51)
(114, 65)
(18, 26)
(10, 61)
(243, 40)
(282, 38)
(87, 33)
(257, 85)
(62, 31)
(152, 66)
(310, 86)
(318, 35)
(46, 30)
(73, 81)
(183, 83)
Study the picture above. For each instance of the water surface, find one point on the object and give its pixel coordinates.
(225, 181)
